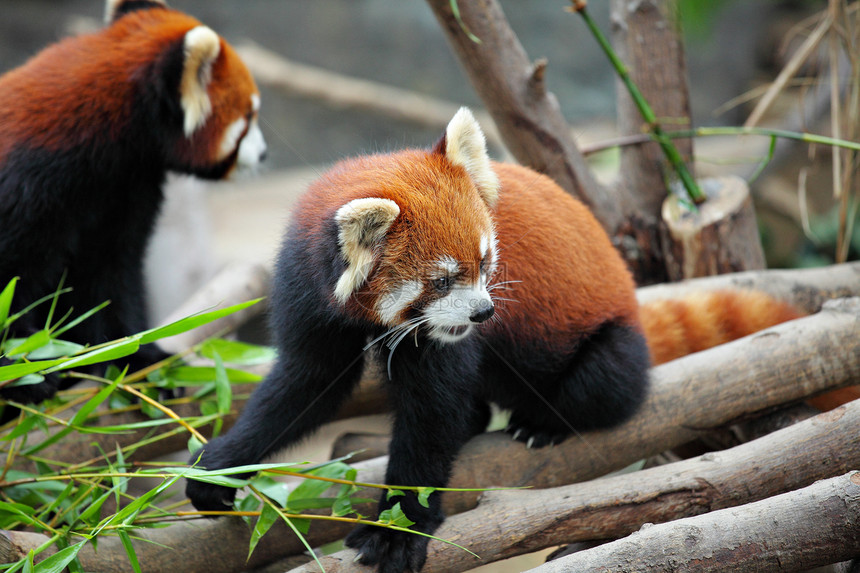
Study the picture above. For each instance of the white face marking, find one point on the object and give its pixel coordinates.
(448, 265)
(449, 316)
(231, 137)
(255, 102)
(395, 301)
(253, 147)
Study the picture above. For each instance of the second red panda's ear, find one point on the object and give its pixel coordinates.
(361, 225)
(201, 49)
(463, 144)
(116, 8)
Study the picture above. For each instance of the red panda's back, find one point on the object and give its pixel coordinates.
(566, 277)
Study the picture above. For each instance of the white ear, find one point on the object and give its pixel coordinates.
(202, 47)
(114, 7)
(465, 146)
(362, 224)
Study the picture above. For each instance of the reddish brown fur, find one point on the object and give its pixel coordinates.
(440, 214)
(87, 66)
(573, 278)
(675, 328)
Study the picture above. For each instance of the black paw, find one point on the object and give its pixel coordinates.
(532, 435)
(392, 551)
(209, 497)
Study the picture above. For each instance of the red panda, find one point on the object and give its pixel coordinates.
(485, 281)
(88, 129)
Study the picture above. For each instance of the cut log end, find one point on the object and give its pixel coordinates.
(721, 236)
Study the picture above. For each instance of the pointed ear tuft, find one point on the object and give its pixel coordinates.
(116, 8)
(361, 224)
(202, 47)
(464, 145)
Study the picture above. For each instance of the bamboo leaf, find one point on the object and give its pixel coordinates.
(6, 301)
(191, 322)
(57, 562)
(237, 352)
(267, 518)
(129, 550)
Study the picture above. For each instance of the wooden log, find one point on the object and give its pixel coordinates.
(787, 363)
(807, 289)
(510, 523)
(528, 116)
(720, 236)
(796, 531)
(236, 283)
(367, 446)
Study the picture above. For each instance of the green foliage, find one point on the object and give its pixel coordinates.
(67, 501)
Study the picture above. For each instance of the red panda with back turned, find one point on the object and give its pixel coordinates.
(490, 284)
(88, 129)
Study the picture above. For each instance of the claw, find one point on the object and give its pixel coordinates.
(530, 442)
(517, 433)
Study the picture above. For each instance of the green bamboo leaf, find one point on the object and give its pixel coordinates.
(115, 351)
(267, 518)
(55, 348)
(395, 517)
(129, 550)
(196, 375)
(14, 371)
(237, 352)
(191, 322)
(76, 423)
(223, 391)
(58, 562)
(271, 488)
(6, 301)
(424, 494)
(20, 347)
(81, 318)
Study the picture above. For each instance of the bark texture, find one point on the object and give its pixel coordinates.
(796, 531)
(527, 116)
(510, 523)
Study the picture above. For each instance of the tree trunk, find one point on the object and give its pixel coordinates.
(721, 236)
(527, 116)
(796, 531)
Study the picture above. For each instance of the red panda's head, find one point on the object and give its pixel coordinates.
(216, 99)
(418, 241)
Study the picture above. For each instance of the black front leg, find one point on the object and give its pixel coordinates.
(315, 372)
(436, 412)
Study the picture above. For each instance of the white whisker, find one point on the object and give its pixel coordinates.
(392, 344)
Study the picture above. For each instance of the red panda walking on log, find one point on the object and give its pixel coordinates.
(88, 129)
(487, 283)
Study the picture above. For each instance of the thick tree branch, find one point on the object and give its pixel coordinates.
(343, 91)
(795, 531)
(509, 523)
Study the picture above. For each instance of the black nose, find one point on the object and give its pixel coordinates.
(483, 311)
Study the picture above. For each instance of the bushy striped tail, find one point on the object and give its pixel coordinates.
(675, 328)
